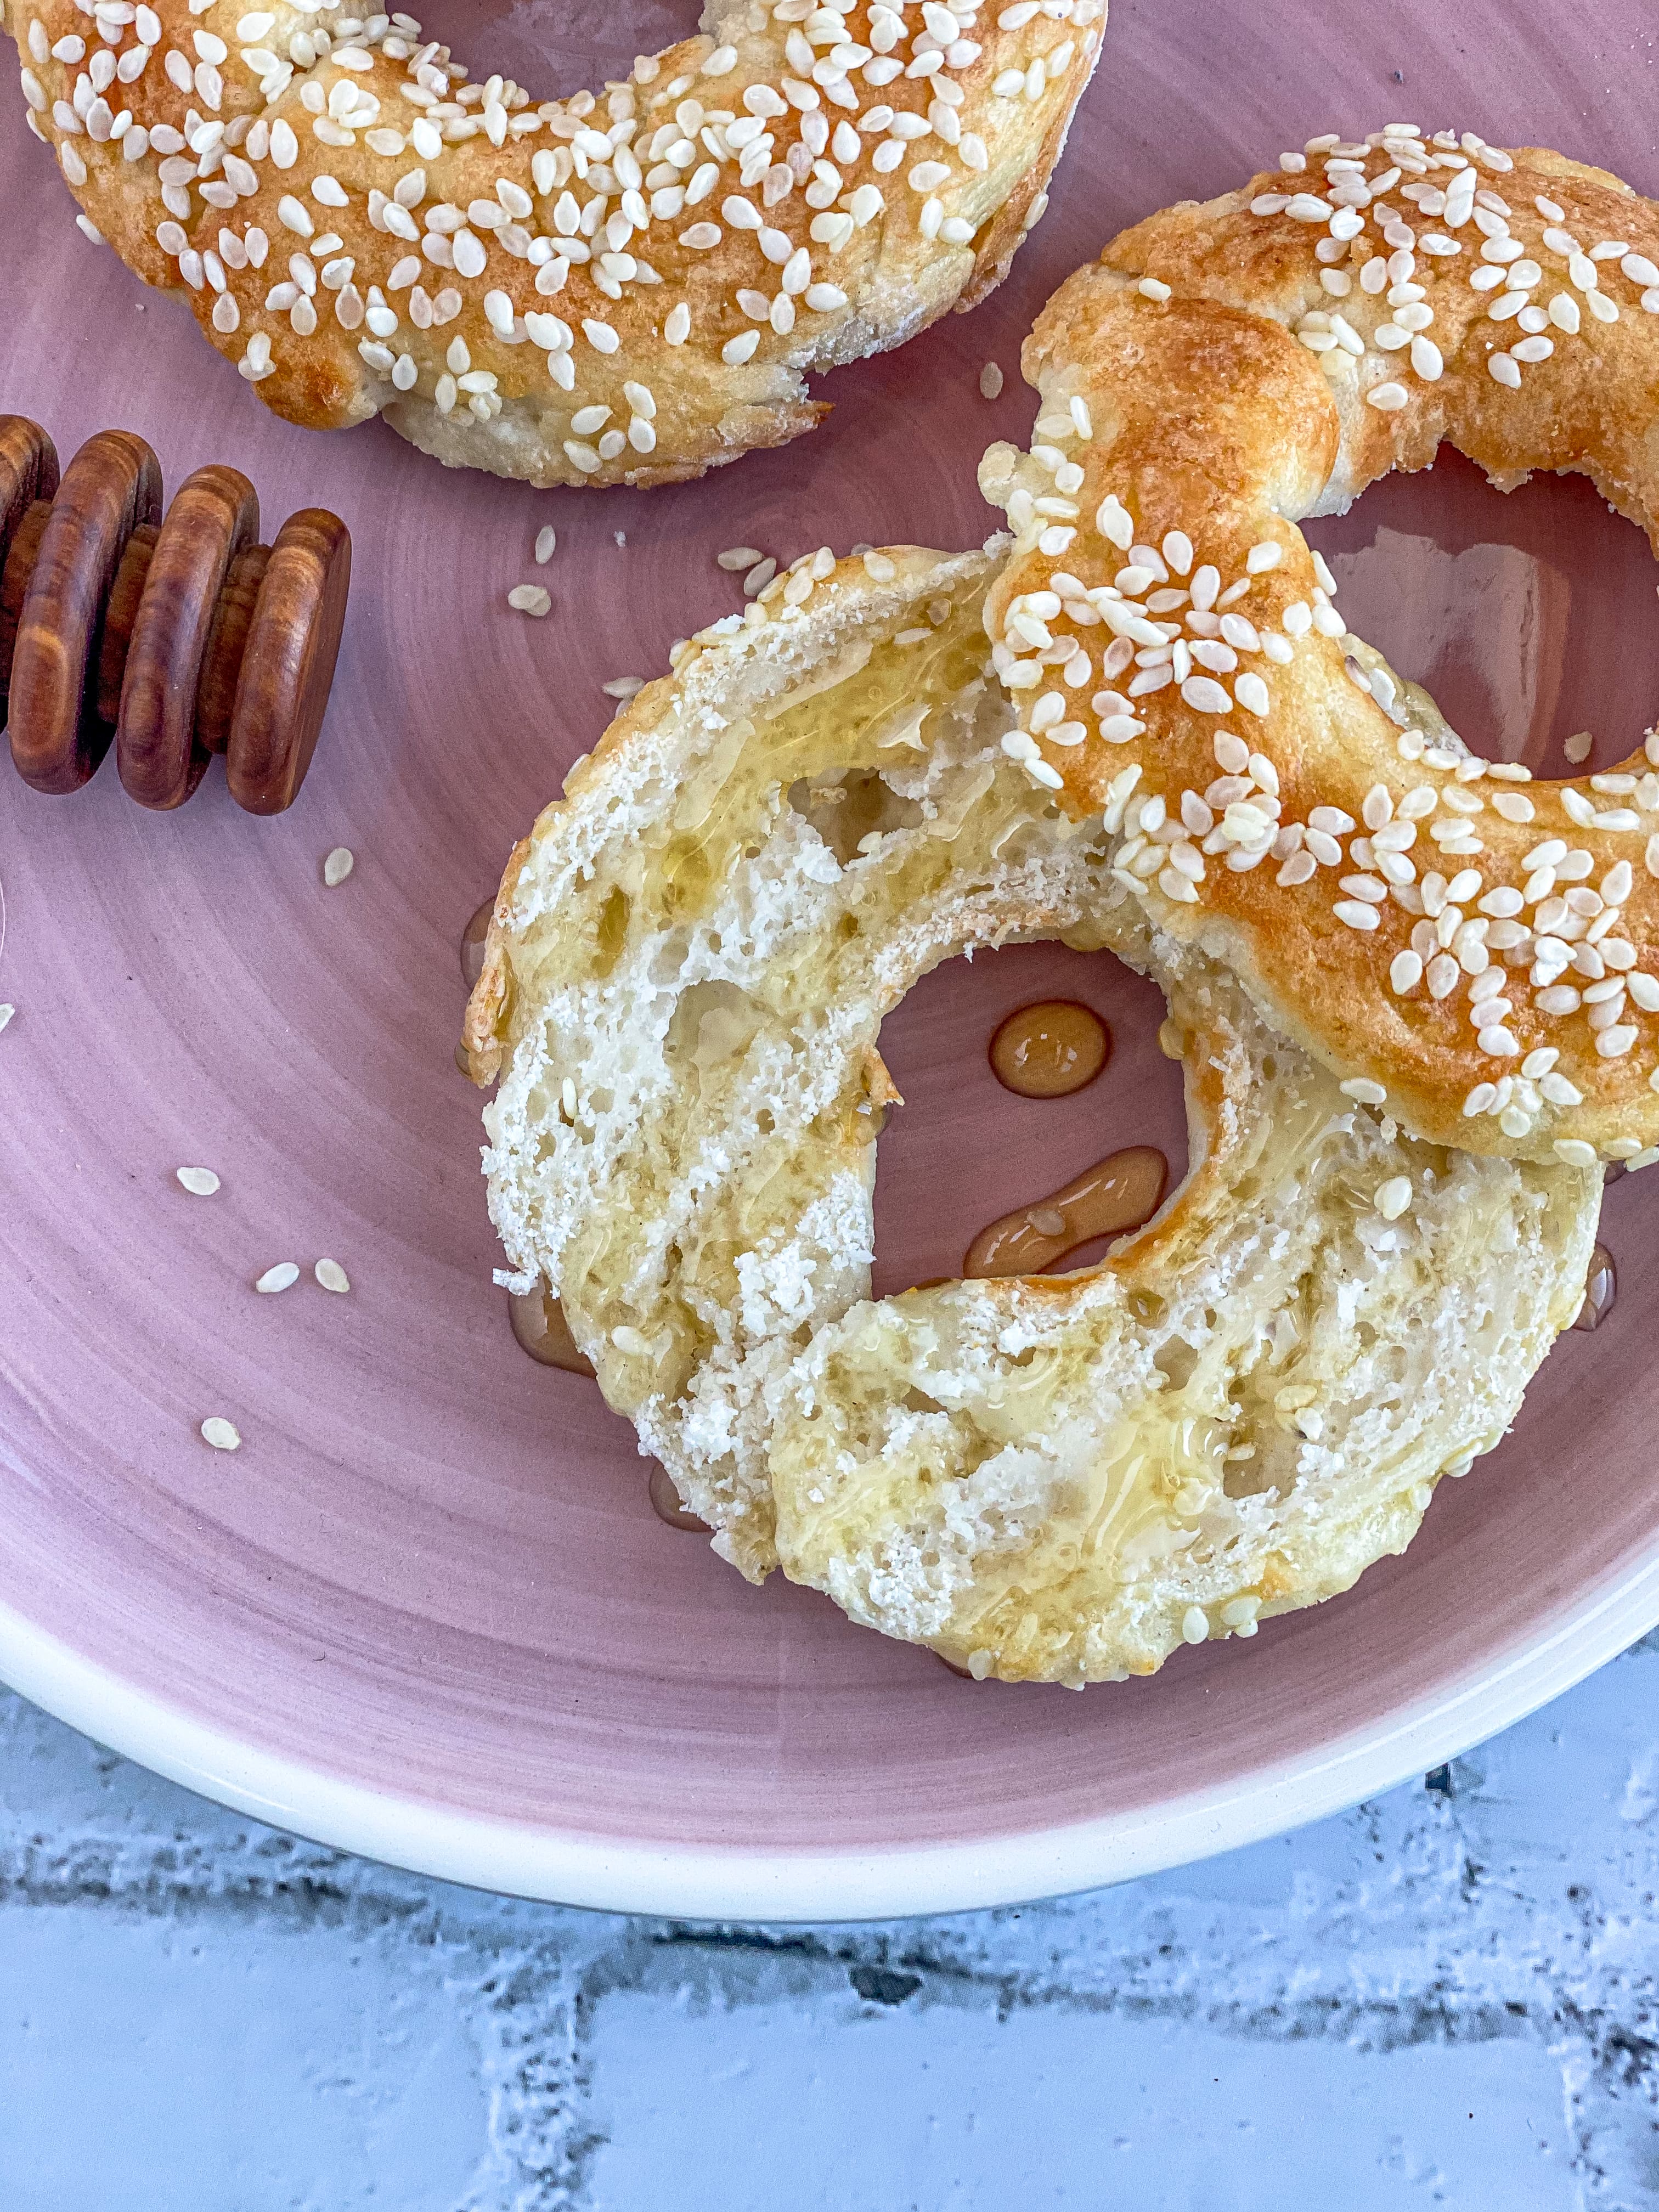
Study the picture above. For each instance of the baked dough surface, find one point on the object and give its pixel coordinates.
(629, 287)
(1483, 947)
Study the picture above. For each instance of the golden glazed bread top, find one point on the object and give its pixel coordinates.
(1476, 948)
(626, 288)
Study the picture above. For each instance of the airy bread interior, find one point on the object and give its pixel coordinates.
(1055, 1478)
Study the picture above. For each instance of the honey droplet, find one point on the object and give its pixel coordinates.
(472, 942)
(1601, 1289)
(1050, 1050)
(539, 1324)
(1118, 1193)
(665, 1503)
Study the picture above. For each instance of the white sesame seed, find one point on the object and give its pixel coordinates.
(338, 865)
(1388, 398)
(990, 381)
(332, 1275)
(6, 1013)
(623, 687)
(200, 1183)
(1205, 696)
(1393, 1197)
(1195, 1624)
(1362, 1088)
(1406, 972)
(1355, 914)
(530, 599)
(222, 1434)
(1614, 1044)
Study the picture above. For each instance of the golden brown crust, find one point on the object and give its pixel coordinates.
(581, 291)
(1209, 381)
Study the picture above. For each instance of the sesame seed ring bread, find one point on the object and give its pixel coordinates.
(621, 289)
(1479, 949)
(1055, 1478)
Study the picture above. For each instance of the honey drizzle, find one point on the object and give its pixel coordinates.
(1117, 1194)
(542, 1330)
(666, 1504)
(1050, 1049)
(1601, 1289)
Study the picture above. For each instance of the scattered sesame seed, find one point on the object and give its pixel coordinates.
(338, 865)
(737, 557)
(623, 687)
(7, 1010)
(530, 599)
(990, 381)
(282, 1277)
(1362, 1088)
(222, 1434)
(1578, 747)
(200, 1183)
(332, 1275)
(547, 540)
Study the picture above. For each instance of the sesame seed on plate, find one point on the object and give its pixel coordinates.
(739, 558)
(222, 1435)
(530, 599)
(200, 1183)
(990, 381)
(282, 1277)
(338, 865)
(623, 687)
(332, 1275)
(547, 540)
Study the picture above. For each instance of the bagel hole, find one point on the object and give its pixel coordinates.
(962, 1150)
(532, 42)
(1528, 616)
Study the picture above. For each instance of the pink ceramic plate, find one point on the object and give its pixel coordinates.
(426, 1612)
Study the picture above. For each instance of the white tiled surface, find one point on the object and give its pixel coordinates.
(1436, 1999)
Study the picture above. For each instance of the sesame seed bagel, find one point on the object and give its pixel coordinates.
(1479, 949)
(629, 288)
(1056, 1479)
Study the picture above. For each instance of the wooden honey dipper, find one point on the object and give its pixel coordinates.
(176, 637)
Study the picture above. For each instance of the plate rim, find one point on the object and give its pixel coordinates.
(521, 1860)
